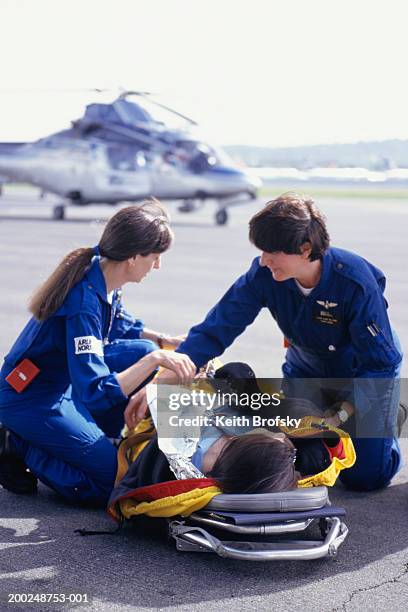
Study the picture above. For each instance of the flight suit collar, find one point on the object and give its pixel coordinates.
(96, 280)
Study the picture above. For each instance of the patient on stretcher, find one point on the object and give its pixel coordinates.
(262, 461)
(238, 458)
(258, 462)
(164, 476)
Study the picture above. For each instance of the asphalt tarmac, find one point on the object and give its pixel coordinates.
(39, 552)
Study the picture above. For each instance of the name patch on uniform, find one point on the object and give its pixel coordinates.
(88, 344)
(328, 316)
(322, 316)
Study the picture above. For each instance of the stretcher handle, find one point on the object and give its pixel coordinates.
(196, 535)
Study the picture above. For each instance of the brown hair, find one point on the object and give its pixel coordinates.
(255, 463)
(287, 222)
(134, 230)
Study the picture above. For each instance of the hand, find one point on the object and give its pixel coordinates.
(331, 417)
(179, 363)
(331, 414)
(136, 408)
(333, 420)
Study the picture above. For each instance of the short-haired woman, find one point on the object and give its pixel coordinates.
(66, 381)
(329, 304)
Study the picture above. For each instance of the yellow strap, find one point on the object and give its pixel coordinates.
(312, 426)
(183, 504)
(328, 476)
(135, 443)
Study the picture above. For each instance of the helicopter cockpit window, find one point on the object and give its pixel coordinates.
(202, 158)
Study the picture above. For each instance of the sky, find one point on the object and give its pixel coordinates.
(259, 72)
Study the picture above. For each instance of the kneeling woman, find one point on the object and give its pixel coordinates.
(66, 381)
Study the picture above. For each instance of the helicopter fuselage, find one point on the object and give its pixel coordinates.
(86, 173)
(117, 152)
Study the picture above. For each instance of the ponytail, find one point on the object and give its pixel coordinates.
(52, 293)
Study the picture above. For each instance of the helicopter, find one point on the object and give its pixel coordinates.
(123, 152)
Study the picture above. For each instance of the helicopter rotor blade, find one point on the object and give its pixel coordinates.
(21, 90)
(147, 94)
(133, 92)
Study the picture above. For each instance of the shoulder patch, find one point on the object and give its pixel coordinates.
(88, 344)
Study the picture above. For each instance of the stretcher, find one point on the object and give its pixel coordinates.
(264, 527)
(299, 524)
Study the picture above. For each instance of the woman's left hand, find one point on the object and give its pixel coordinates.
(136, 408)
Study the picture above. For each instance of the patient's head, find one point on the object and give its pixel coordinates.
(255, 463)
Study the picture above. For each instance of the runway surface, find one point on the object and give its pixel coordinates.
(38, 549)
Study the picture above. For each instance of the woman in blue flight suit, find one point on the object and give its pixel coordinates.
(329, 304)
(91, 355)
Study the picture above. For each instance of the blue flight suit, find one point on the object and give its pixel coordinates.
(339, 331)
(62, 420)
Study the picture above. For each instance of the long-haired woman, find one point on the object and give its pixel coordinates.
(66, 381)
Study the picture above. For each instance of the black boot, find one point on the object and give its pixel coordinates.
(14, 474)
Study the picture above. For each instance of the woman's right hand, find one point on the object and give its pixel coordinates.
(179, 363)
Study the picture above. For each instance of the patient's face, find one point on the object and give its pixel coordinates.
(211, 455)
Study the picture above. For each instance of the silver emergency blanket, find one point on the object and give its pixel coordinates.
(180, 448)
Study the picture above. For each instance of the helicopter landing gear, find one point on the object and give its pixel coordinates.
(187, 206)
(58, 212)
(221, 216)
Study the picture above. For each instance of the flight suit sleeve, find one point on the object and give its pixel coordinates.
(92, 381)
(371, 336)
(375, 388)
(226, 320)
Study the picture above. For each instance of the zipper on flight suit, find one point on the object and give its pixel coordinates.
(111, 317)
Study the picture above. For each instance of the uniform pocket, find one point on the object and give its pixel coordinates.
(382, 351)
